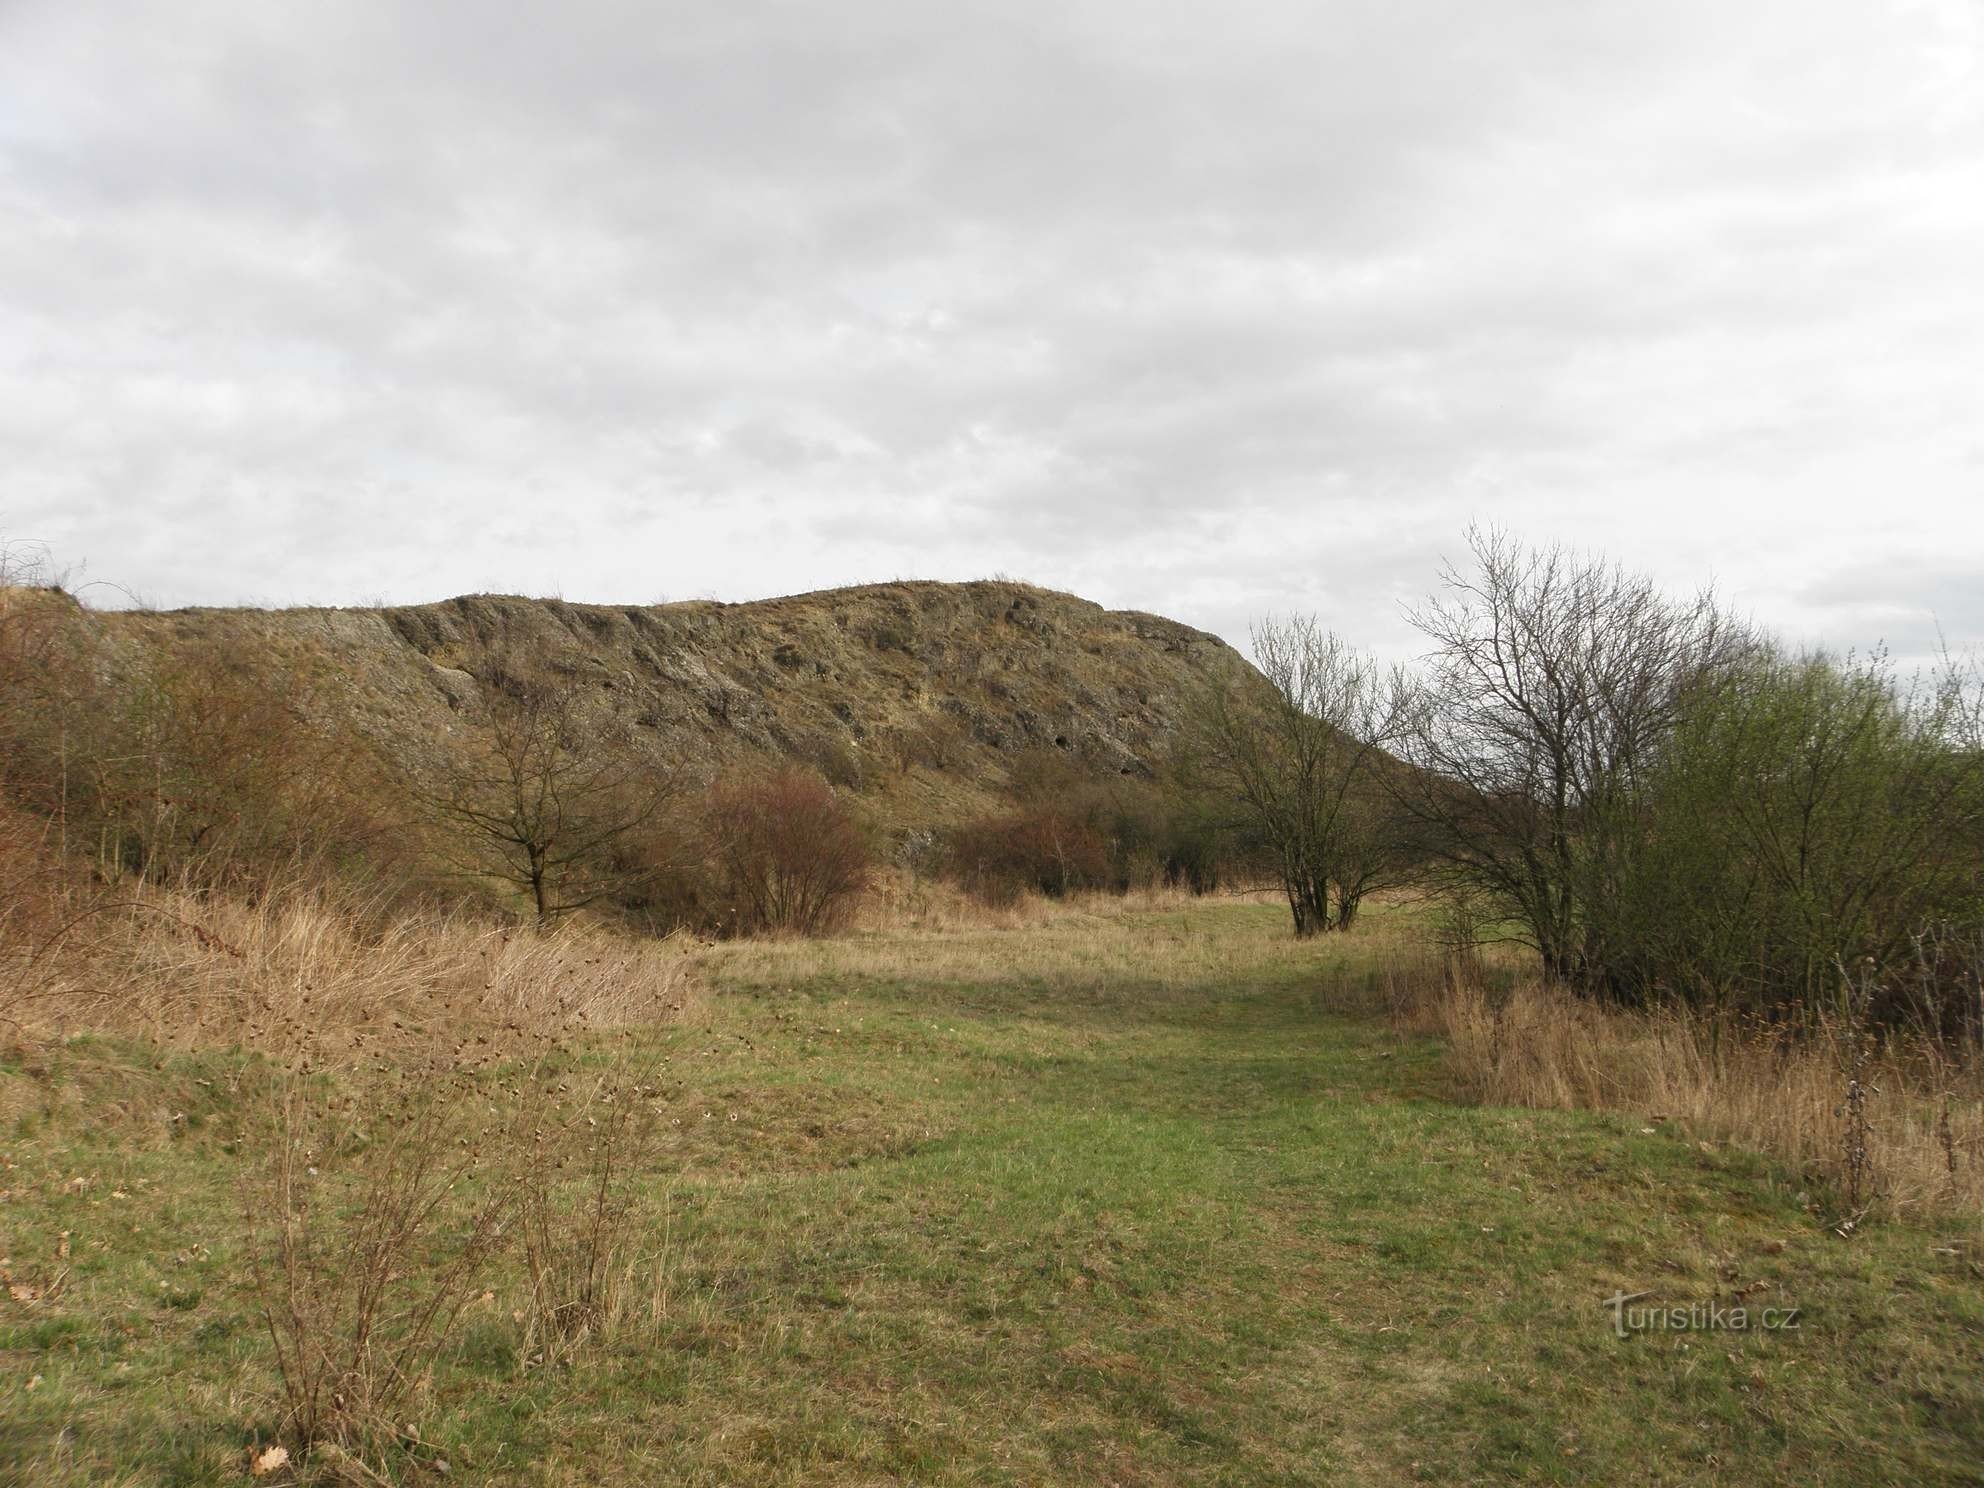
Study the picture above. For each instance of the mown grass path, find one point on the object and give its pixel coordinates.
(1114, 1200)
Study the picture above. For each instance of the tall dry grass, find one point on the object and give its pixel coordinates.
(1892, 1126)
(306, 965)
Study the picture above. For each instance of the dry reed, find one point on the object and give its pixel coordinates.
(312, 967)
(1915, 1143)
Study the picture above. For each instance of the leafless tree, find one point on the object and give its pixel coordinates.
(1553, 681)
(1298, 761)
(539, 805)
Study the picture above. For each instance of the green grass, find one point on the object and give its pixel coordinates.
(1113, 1200)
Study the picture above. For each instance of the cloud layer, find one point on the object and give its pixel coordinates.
(1211, 310)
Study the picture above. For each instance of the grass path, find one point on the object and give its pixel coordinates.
(1113, 1200)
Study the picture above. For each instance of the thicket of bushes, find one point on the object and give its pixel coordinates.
(1671, 806)
(189, 767)
(1666, 804)
(187, 764)
(1067, 833)
(1806, 817)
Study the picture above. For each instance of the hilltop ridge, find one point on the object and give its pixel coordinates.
(926, 697)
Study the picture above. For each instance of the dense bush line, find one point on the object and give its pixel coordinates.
(1661, 801)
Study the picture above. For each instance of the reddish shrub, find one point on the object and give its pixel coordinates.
(997, 858)
(785, 854)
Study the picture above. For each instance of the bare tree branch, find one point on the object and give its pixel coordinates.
(539, 806)
(1298, 762)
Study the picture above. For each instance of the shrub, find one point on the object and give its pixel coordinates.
(51, 688)
(1554, 684)
(1807, 812)
(1296, 763)
(387, 1211)
(188, 760)
(1193, 854)
(581, 1238)
(1037, 849)
(220, 769)
(539, 808)
(835, 756)
(372, 1231)
(935, 741)
(785, 855)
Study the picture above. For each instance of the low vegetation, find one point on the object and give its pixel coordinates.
(1894, 1125)
(1140, 1190)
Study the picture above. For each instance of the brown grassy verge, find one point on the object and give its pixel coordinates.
(305, 966)
(1919, 1149)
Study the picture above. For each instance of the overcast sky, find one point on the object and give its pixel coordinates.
(1208, 309)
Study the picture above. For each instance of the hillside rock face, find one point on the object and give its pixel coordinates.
(925, 697)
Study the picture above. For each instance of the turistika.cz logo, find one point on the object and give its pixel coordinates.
(1696, 1317)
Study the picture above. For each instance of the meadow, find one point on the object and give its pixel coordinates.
(1114, 1191)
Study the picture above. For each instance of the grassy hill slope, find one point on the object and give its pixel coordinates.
(925, 697)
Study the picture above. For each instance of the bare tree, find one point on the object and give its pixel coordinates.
(540, 806)
(1554, 681)
(1298, 762)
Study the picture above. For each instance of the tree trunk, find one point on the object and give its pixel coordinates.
(537, 890)
(1309, 904)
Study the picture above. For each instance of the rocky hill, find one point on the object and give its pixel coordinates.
(926, 698)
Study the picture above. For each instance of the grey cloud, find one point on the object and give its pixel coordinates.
(1210, 309)
(1915, 605)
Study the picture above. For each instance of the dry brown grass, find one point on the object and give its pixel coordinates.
(307, 967)
(1786, 1096)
